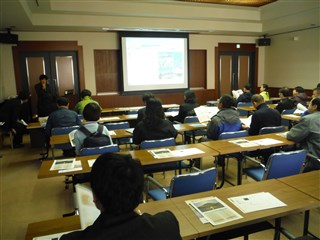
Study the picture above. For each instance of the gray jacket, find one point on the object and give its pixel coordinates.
(307, 133)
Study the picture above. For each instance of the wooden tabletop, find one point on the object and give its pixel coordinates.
(291, 117)
(296, 202)
(308, 183)
(251, 108)
(126, 109)
(143, 155)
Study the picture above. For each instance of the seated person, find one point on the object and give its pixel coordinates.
(286, 102)
(226, 120)
(91, 114)
(63, 117)
(299, 96)
(119, 218)
(154, 126)
(85, 99)
(264, 92)
(186, 109)
(263, 116)
(10, 114)
(307, 133)
(145, 99)
(315, 93)
(246, 95)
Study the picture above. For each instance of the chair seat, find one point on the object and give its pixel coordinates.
(158, 194)
(255, 172)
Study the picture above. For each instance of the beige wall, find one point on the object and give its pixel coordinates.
(285, 63)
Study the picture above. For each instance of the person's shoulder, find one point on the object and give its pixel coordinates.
(165, 216)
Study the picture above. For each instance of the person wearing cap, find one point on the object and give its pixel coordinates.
(10, 112)
(46, 97)
(85, 99)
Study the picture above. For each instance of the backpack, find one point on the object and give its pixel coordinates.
(96, 139)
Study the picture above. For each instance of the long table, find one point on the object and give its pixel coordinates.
(127, 109)
(225, 147)
(143, 155)
(190, 225)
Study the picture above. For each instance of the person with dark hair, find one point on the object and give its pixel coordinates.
(154, 126)
(142, 111)
(286, 102)
(307, 134)
(264, 92)
(263, 116)
(117, 183)
(91, 114)
(46, 97)
(63, 117)
(246, 95)
(299, 96)
(315, 93)
(10, 114)
(85, 99)
(318, 85)
(186, 109)
(226, 120)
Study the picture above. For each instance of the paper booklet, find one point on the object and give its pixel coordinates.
(161, 153)
(77, 167)
(246, 121)
(214, 210)
(63, 164)
(167, 153)
(236, 93)
(71, 137)
(256, 202)
(205, 113)
(261, 142)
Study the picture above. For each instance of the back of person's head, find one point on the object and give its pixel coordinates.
(227, 101)
(91, 112)
(316, 101)
(62, 101)
(257, 98)
(23, 95)
(318, 85)
(154, 112)
(43, 77)
(190, 96)
(147, 96)
(85, 92)
(247, 87)
(316, 92)
(117, 182)
(299, 89)
(285, 91)
(265, 86)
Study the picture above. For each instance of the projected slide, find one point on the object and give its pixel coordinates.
(154, 63)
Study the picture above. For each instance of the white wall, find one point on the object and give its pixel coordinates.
(290, 62)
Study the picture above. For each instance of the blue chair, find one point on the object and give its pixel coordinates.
(243, 104)
(99, 150)
(279, 165)
(238, 156)
(62, 131)
(276, 129)
(119, 125)
(184, 184)
(193, 134)
(285, 122)
(161, 167)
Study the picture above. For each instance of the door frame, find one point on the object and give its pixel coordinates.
(232, 47)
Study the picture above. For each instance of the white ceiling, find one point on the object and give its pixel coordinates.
(161, 15)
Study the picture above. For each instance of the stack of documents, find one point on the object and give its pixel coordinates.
(261, 142)
(167, 153)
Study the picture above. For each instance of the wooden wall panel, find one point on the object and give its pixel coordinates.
(198, 68)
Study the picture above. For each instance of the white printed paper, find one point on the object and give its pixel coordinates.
(63, 164)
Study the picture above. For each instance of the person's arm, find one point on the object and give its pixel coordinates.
(137, 135)
(173, 131)
(254, 126)
(299, 131)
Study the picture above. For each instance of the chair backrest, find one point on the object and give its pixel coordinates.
(63, 130)
(285, 164)
(275, 129)
(285, 122)
(132, 112)
(191, 119)
(242, 104)
(99, 150)
(117, 125)
(157, 143)
(237, 134)
(193, 182)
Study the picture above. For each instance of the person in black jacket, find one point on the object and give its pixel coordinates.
(46, 97)
(286, 102)
(186, 109)
(246, 95)
(154, 126)
(142, 111)
(10, 115)
(117, 183)
(263, 116)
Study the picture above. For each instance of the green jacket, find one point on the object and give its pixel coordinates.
(80, 105)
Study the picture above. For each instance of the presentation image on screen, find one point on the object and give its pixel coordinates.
(154, 63)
